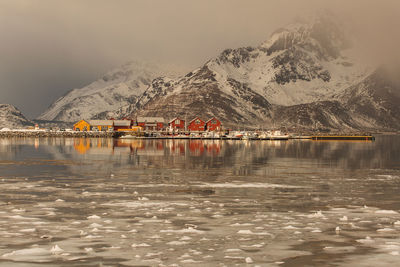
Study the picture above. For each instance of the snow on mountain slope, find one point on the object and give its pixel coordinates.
(305, 76)
(375, 101)
(369, 105)
(114, 90)
(12, 118)
(301, 63)
(316, 116)
(199, 93)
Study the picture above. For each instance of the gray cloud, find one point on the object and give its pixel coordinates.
(49, 47)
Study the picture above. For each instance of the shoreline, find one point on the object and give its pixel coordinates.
(39, 134)
(76, 134)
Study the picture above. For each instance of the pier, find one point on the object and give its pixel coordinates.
(344, 137)
(164, 135)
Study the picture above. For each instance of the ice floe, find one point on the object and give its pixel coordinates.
(93, 217)
(140, 245)
(249, 232)
(244, 185)
(183, 231)
(248, 260)
(56, 249)
(386, 212)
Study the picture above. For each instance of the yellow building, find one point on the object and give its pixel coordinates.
(132, 129)
(94, 125)
(82, 126)
(101, 125)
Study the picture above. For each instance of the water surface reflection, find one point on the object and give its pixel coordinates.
(199, 202)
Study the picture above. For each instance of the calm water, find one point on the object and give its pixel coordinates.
(105, 202)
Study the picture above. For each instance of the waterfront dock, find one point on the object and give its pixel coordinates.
(163, 135)
(344, 137)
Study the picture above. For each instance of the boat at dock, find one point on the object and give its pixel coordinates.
(235, 135)
(273, 135)
(129, 136)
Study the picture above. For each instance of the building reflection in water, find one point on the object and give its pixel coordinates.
(93, 146)
(36, 143)
(383, 153)
(351, 155)
(148, 147)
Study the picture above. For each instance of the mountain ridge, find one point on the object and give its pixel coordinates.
(305, 76)
(11, 117)
(114, 90)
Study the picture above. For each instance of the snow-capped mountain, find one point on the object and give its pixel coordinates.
(12, 118)
(200, 93)
(117, 89)
(305, 76)
(301, 63)
(315, 116)
(369, 105)
(375, 101)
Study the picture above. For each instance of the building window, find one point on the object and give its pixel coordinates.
(177, 121)
(197, 121)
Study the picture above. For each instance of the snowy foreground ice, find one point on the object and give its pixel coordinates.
(205, 204)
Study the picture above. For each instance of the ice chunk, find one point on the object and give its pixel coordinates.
(30, 230)
(386, 212)
(189, 230)
(93, 236)
(249, 232)
(367, 240)
(177, 243)
(249, 260)
(232, 250)
(242, 224)
(289, 227)
(27, 252)
(56, 249)
(317, 214)
(385, 230)
(93, 217)
(140, 245)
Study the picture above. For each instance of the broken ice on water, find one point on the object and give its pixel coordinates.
(253, 204)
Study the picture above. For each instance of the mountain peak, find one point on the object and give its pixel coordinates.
(11, 117)
(320, 32)
(117, 88)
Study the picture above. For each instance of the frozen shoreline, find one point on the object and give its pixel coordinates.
(93, 134)
(40, 133)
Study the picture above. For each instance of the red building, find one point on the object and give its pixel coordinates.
(213, 124)
(177, 124)
(196, 125)
(151, 123)
(120, 125)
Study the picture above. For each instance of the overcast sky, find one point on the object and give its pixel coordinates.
(49, 47)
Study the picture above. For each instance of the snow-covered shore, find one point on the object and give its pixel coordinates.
(44, 133)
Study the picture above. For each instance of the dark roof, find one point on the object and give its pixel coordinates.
(122, 123)
(212, 119)
(175, 119)
(150, 119)
(195, 119)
